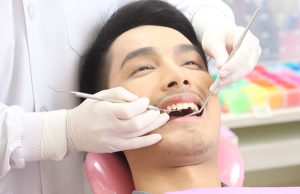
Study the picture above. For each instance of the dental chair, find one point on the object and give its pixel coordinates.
(108, 174)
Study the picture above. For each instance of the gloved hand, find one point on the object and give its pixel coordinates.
(101, 126)
(219, 37)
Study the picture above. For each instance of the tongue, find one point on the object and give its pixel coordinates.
(176, 113)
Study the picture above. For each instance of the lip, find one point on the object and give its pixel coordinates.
(181, 98)
(183, 119)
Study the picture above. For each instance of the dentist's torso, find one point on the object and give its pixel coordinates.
(43, 42)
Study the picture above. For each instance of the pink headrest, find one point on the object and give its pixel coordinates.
(108, 174)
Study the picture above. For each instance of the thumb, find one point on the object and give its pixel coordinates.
(216, 49)
(220, 55)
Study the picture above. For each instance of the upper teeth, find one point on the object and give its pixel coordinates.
(181, 106)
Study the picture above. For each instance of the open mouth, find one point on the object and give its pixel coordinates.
(183, 109)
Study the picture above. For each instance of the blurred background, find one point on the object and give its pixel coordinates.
(263, 109)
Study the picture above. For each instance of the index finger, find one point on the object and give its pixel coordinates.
(128, 110)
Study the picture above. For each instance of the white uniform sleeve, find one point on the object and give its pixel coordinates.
(20, 136)
(29, 137)
(202, 12)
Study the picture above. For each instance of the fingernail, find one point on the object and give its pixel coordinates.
(146, 99)
(156, 137)
(165, 116)
(134, 97)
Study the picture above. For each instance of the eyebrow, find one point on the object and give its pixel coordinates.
(182, 48)
(151, 51)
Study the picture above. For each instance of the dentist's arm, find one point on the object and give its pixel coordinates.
(93, 126)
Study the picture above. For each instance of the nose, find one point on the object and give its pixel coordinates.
(175, 78)
(175, 83)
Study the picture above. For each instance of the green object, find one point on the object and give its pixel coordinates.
(235, 100)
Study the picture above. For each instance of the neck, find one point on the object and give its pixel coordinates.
(166, 179)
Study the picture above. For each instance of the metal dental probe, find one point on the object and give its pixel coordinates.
(90, 96)
(217, 81)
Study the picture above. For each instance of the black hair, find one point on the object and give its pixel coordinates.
(94, 70)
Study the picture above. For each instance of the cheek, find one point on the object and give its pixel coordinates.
(214, 114)
(201, 80)
(143, 87)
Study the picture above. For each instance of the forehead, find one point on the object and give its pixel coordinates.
(162, 38)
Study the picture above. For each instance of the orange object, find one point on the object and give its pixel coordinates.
(276, 93)
(292, 89)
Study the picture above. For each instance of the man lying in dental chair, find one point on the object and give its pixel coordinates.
(150, 49)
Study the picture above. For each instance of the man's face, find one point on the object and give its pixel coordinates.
(163, 65)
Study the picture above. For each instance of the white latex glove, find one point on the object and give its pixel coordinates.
(219, 37)
(100, 126)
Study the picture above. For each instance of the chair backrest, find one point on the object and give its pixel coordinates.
(107, 174)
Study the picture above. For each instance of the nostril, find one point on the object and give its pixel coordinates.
(185, 82)
(171, 84)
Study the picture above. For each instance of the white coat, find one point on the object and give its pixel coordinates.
(41, 42)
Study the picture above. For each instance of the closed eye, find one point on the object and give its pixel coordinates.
(142, 68)
(192, 65)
